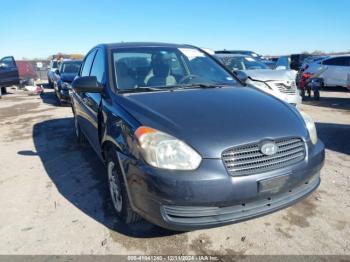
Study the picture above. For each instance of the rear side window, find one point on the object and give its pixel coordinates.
(338, 61)
(87, 64)
(98, 68)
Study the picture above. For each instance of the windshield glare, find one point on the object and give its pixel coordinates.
(243, 63)
(166, 67)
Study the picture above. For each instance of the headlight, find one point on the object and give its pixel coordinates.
(310, 125)
(260, 84)
(165, 151)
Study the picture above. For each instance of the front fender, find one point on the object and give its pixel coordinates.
(117, 128)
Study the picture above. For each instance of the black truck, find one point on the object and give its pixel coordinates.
(8, 73)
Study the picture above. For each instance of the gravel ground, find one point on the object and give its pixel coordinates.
(54, 200)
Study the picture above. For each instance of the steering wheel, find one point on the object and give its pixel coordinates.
(187, 77)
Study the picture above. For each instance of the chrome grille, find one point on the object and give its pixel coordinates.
(248, 159)
(286, 89)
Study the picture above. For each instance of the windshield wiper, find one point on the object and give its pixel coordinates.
(141, 89)
(203, 85)
(172, 87)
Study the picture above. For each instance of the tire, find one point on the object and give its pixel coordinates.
(317, 95)
(79, 135)
(50, 83)
(309, 93)
(118, 192)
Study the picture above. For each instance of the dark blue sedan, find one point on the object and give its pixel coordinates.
(64, 76)
(186, 144)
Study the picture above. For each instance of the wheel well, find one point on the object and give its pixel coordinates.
(106, 147)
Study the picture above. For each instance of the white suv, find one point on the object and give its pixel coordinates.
(279, 83)
(336, 70)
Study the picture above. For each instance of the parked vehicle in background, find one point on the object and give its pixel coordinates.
(336, 70)
(27, 73)
(273, 58)
(64, 76)
(8, 73)
(296, 60)
(186, 145)
(51, 75)
(293, 62)
(283, 63)
(280, 83)
(241, 52)
(311, 59)
(269, 63)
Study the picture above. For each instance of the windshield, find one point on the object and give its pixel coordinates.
(70, 68)
(242, 63)
(165, 67)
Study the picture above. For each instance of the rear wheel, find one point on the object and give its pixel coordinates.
(117, 189)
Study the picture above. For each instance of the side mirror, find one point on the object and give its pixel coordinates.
(243, 77)
(87, 84)
(281, 67)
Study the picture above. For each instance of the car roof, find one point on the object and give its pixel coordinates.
(143, 44)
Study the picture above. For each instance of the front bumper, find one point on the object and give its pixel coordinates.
(209, 196)
(293, 99)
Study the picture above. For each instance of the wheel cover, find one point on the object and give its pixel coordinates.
(115, 187)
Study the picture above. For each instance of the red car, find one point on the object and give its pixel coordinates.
(26, 72)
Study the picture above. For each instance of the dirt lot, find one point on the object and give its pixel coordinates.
(54, 197)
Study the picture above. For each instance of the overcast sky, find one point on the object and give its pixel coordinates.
(41, 28)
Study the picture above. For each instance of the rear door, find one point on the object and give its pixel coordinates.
(8, 71)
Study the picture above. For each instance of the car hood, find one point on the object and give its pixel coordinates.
(212, 120)
(67, 77)
(269, 74)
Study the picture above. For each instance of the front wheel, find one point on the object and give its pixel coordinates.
(118, 192)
